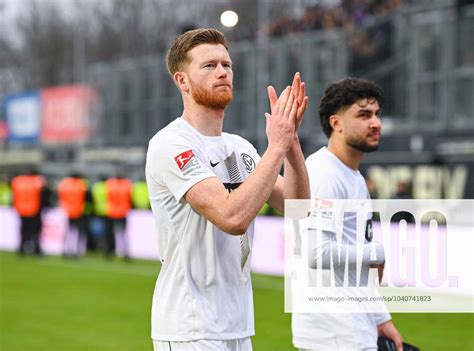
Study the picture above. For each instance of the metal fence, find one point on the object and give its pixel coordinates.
(424, 62)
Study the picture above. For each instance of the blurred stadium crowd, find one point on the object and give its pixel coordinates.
(370, 44)
(334, 14)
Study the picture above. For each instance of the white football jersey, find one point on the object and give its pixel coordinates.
(204, 289)
(330, 178)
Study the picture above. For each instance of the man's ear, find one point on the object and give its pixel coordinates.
(181, 81)
(335, 123)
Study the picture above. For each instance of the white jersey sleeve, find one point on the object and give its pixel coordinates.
(176, 164)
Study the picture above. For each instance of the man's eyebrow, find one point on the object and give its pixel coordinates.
(365, 110)
(217, 60)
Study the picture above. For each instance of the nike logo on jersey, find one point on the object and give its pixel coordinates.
(214, 164)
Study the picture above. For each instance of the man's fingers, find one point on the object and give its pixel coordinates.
(282, 100)
(303, 106)
(272, 96)
(289, 104)
(302, 93)
(293, 111)
(300, 112)
(295, 86)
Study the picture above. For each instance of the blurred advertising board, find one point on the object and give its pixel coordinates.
(427, 181)
(268, 256)
(52, 234)
(23, 115)
(434, 165)
(268, 243)
(67, 113)
(3, 131)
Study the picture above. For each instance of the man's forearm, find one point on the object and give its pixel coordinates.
(245, 202)
(296, 181)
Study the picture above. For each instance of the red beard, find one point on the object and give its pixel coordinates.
(218, 100)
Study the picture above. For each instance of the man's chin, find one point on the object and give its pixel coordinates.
(364, 147)
(372, 148)
(216, 103)
(223, 101)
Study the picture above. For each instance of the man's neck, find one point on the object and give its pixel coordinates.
(205, 120)
(347, 154)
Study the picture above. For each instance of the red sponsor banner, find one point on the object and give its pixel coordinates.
(183, 158)
(3, 131)
(68, 113)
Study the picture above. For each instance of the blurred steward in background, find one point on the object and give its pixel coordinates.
(140, 198)
(30, 196)
(5, 192)
(73, 194)
(119, 202)
(99, 221)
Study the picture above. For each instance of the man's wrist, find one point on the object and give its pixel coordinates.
(295, 147)
(276, 151)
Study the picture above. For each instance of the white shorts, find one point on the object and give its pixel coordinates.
(204, 345)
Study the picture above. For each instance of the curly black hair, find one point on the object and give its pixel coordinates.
(343, 94)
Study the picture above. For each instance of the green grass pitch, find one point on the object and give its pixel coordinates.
(94, 304)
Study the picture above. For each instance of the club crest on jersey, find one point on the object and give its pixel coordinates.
(249, 163)
(186, 161)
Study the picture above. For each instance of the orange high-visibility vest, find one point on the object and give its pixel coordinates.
(118, 197)
(72, 196)
(27, 194)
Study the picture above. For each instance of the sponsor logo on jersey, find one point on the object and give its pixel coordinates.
(249, 163)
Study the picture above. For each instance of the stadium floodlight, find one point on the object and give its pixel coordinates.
(229, 18)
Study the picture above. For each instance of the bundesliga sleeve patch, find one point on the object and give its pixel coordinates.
(322, 204)
(183, 158)
(322, 216)
(186, 162)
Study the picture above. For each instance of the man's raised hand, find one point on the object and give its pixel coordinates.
(298, 88)
(281, 122)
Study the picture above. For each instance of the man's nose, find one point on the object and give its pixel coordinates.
(376, 123)
(221, 71)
